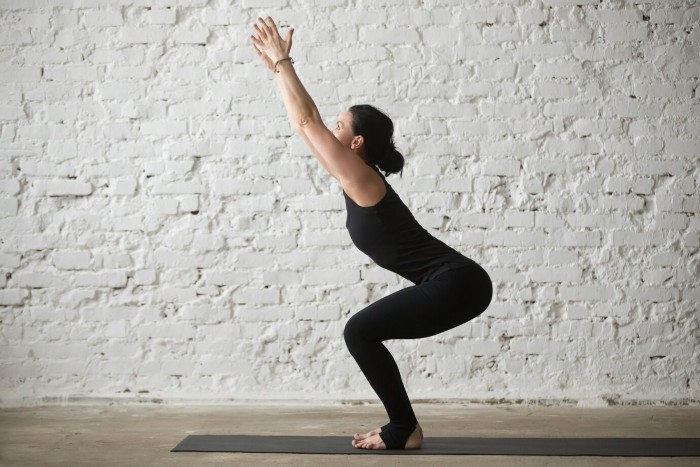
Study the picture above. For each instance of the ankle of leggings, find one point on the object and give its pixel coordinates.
(399, 423)
(395, 435)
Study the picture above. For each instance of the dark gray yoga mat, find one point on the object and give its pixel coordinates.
(626, 447)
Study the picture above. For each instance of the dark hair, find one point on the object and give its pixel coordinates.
(378, 132)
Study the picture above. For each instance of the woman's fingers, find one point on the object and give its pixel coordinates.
(268, 43)
(262, 33)
(289, 40)
(269, 29)
(274, 26)
(266, 27)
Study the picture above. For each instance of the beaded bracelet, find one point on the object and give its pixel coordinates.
(281, 60)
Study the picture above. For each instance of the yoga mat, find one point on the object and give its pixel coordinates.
(627, 447)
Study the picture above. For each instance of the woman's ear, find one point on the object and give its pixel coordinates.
(357, 142)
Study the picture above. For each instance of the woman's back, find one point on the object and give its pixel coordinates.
(388, 233)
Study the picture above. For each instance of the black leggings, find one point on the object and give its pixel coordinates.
(443, 302)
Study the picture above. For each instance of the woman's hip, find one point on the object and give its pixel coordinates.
(468, 284)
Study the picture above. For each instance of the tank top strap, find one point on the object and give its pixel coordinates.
(376, 169)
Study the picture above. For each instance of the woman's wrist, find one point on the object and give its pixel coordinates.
(280, 61)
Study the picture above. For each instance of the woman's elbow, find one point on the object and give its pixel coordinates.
(304, 121)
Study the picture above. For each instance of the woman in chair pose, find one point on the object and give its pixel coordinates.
(449, 288)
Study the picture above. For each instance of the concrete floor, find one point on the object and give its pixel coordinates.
(137, 436)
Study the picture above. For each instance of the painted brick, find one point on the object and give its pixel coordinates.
(154, 194)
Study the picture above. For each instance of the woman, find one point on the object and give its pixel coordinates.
(450, 289)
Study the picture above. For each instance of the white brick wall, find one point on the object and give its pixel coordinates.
(164, 235)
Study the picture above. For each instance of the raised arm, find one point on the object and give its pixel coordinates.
(340, 161)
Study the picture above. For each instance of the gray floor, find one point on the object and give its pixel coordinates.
(143, 435)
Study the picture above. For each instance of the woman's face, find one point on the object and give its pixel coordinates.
(343, 131)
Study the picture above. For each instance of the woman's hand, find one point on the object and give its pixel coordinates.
(268, 43)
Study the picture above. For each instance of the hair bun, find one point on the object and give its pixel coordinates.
(393, 160)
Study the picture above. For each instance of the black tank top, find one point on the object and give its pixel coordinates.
(389, 234)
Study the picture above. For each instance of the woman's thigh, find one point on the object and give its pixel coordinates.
(423, 310)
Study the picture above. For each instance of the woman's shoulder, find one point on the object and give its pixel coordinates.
(368, 190)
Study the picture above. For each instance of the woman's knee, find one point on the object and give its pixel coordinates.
(487, 294)
(352, 331)
(479, 290)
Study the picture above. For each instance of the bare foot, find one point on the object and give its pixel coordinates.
(372, 440)
(359, 436)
